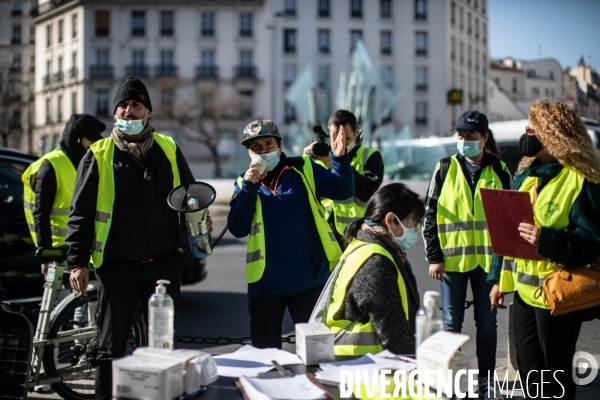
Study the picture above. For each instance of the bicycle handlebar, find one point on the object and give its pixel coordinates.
(49, 254)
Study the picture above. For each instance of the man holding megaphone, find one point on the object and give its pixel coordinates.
(120, 217)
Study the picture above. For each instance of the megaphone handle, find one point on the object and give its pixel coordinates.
(216, 241)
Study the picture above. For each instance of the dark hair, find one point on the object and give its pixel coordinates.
(491, 145)
(278, 139)
(343, 117)
(394, 197)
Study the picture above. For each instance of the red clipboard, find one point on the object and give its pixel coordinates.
(504, 211)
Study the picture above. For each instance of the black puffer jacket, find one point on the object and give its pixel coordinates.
(374, 295)
(77, 127)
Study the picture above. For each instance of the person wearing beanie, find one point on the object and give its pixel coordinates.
(50, 181)
(291, 248)
(120, 217)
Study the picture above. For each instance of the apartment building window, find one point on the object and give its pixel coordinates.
(17, 7)
(289, 75)
(246, 67)
(289, 8)
(484, 33)
(469, 56)
(48, 110)
(483, 6)
(323, 39)
(477, 60)
(166, 23)
(166, 101)
(355, 36)
(245, 107)
(102, 103)
(167, 63)
(387, 75)
(535, 92)
(469, 23)
(16, 34)
(16, 63)
(47, 77)
(207, 68)
(208, 58)
(453, 13)
(547, 92)
(453, 48)
(208, 24)
(385, 9)
(74, 26)
(551, 74)
(138, 23)
(421, 10)
(48, 35)
(356, 8)
(289, 41)
(61, 25)
(246, 24)
(323, 77)
(59, 101)
(102, 22)
(421, 81)
(421, 43)
(515, 85)
(290, 113)
(476, 28)
(484, 64)
(461, 18)
(386, 42)
(421, 113)
(476, 4)
(73, 71)
(324, 7)
(462, 53)
(58, 77)
(74, 103)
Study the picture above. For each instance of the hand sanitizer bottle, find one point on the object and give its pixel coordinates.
(429, 317)
(161, 313)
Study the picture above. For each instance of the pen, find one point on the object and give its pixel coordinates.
(279, 368)
(499, 295)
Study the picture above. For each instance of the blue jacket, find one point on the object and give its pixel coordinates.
(295, 259)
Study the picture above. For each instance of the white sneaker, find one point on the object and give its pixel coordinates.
(42, 388)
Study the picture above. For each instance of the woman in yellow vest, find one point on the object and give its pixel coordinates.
(457, 242)
(374, 299)
(560, 170)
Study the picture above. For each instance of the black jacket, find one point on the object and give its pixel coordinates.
(143, 225)
(373, 295)
(430, 230)
(76, 127)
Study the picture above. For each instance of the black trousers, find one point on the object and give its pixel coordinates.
(266, 315)
(545, 342)
(123, 287)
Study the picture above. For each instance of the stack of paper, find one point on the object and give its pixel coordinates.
(293, 388)
(250, 361)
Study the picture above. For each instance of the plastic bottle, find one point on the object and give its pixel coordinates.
(429, 317)
(161, 313)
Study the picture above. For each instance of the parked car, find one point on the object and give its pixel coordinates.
(20, 276)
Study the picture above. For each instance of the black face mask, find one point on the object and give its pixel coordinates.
(530, 145)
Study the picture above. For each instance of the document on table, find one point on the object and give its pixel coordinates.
(331, 371)
(250, 361)
(293, 388)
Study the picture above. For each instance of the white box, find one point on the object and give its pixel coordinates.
(144, 378)
(314, 343)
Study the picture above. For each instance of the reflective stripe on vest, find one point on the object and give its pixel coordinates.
(358, 338)
(61, 208)
(508, 275)
(552, 209)
(256, 250)
(462, 228)
(349, 210)
(103, 153)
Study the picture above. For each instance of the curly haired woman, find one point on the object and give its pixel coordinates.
(560, 170)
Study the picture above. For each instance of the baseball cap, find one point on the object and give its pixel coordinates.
(259, 128)
(472, 121)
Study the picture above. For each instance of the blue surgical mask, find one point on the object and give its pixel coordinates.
(408, 238)
(272, 159)
(131, 127)
(469, 148)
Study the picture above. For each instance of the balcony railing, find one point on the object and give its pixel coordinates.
(16, 12)
(16, 40)
(140, 71)
(245, 72)
(420, 87)
(421, 52)
(421, 121)
(164, 71)
(101, 71)
(207, 72)
(46, 80)
(58, 77)
(15, 69)
(73, 72)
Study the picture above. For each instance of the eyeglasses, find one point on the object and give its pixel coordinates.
(417, 225)
(529, 131)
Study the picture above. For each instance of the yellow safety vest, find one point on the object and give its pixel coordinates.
(347, 211)
(65, 185)
(462, 228)
(103, 153)
(552, 209)
(359, 338)
(256, 253)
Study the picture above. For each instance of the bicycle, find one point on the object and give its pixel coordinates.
(66, 339)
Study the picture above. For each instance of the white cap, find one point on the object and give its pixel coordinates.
(160, 287)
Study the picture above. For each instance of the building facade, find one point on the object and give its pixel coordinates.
(582, 90)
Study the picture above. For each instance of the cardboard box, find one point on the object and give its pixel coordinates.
(145, 378)
(314, 343)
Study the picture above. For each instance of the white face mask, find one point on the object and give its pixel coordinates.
(131, 127)
(408, 238)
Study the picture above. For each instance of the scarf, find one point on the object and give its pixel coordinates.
(387, 237)
(136, 146)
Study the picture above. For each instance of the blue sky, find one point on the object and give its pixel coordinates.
(566, 30)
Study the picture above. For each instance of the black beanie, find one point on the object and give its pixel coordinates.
(132, 89)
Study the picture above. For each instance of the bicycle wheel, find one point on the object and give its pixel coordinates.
(74, 360)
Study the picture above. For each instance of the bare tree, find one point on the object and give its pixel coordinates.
(199, 120)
